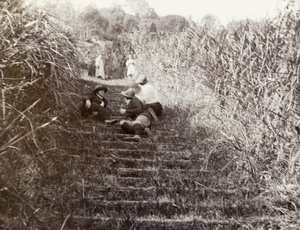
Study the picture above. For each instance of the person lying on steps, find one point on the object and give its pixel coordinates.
(96, 103)
(137, 119)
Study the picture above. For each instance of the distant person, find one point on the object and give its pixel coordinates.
(148, 95)
(96, 103)
(137, 120)
(99, 73)
(91, 69)
(131, 67)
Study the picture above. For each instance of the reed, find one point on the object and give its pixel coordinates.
(236, 94)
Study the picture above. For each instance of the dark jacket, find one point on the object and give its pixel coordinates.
(95, 99)
(134, 108)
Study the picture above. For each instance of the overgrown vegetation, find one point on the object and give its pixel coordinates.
(38, 71)
(234, 94)
(249, 109)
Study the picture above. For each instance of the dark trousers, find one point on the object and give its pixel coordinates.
(136, 129)
(103, 113)
(157, 108)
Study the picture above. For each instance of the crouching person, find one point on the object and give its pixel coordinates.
(137, 119)
(96, 103)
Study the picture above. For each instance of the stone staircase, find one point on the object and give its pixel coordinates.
(147, 185)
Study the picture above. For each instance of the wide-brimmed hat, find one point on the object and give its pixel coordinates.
(142, 79)
(129, 93)
(99, 87)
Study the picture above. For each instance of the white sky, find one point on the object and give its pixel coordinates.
(224, 10)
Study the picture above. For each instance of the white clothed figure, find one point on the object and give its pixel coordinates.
(99, 67)
(146, 91)
(131, 69)
(147, 94)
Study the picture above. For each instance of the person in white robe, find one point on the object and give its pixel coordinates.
(99, 68)
(131, 67)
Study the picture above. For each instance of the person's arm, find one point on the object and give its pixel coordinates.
(87, 100)
(105, 102)
(134, 108)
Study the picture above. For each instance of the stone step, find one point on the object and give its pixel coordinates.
(155, 193)
(166, 207)
(123, 153)
(82, 154)
(99, 127)
(166, 173)
(144, 162)
(182, 222)
(116, 181)
(144, 145)
(164, 139)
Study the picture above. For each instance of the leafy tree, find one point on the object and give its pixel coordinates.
(173, 23)
(113, 14)
(92, 15)
(130, 22)
(139, 8)
(210, 22)
(115, 17)
(153, 28)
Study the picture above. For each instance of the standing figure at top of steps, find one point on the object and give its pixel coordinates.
(96, 103)
(131, 67)
(99, 73)
(137, 119)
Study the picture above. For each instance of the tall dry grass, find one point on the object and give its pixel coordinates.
(236, 94)
(38, 70)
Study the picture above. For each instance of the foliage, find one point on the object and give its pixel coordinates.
(38, 68)
(234, 94)
(172, 23)
(253, 73)
(92, 16)
(130, 23)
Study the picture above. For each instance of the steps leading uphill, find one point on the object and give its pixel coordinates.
(148, 184)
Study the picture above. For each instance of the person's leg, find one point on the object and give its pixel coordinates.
(84, 111)
(138, 126)
(157, 107)
(154, 116)
(103, 114)
(110, 119)
(127, 126)
(138, 130)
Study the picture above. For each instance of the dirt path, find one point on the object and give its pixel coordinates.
(109, 82)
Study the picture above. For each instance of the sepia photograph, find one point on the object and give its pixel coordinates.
(150, 114)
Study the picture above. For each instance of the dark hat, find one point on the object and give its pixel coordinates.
(99, 87)
(142, 79)
(129, 93)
